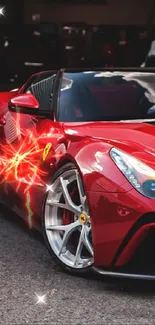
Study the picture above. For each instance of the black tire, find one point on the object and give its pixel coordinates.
(78, 272)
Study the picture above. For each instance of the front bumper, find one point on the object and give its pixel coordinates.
(138, 254)
(120, 224)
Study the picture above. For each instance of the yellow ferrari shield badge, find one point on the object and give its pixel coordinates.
(46, 150)
(83, 218)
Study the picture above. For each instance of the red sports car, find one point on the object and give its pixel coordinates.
(77, 159)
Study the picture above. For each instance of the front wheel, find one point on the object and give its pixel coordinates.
(67, 223)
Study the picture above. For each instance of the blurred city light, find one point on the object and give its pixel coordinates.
(2, 11)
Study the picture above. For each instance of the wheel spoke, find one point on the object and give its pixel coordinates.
(69, 203)
(57, 204)
(80, 189)
(71, 227)
(68, 232)
(57, 227)
(79, 247)
(87, 243)
(83, 241)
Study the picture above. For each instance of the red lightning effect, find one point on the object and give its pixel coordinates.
(21, 162)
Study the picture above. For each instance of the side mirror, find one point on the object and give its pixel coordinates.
(24, 103)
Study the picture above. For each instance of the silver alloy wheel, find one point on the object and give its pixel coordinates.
(70, 242)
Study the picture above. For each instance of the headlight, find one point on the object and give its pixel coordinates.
(141, 176)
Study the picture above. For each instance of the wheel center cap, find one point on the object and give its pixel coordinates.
(83, 218)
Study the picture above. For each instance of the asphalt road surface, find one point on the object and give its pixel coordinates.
(26, 270)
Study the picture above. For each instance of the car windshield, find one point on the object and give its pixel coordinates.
(107, 96)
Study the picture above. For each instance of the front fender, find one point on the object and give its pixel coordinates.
(97, 169)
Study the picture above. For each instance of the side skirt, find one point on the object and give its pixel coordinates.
(123, 275)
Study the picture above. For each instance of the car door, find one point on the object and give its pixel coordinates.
(32, 153)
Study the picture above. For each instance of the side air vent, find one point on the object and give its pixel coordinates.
(10, 129)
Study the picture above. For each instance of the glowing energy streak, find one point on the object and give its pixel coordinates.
(28, 207)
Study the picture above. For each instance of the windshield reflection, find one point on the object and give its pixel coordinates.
(107, 96)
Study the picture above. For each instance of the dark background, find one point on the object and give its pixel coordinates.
(38, 35)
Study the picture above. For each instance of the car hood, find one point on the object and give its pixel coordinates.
(134, 138)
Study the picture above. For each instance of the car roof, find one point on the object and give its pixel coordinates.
(127, 69)
(78, 70)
